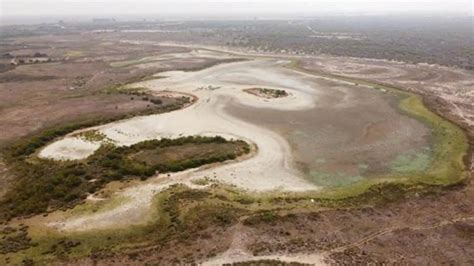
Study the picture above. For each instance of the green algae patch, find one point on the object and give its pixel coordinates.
(441, 165)
(411, 161)
(450, 144)
(329, 180)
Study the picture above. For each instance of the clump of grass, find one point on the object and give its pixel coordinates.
(14, 239)
(202, 181)
(245, 200)
(92, 136)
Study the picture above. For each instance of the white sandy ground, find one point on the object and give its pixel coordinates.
(271, 168)
(70, 148)
(303, 258)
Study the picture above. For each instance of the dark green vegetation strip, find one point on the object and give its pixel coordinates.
(46, 184)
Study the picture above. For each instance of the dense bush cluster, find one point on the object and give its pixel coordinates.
(274, 93)
(14, 239)
(267, 93)
(118, 160)
(46, 184)
(143, 92)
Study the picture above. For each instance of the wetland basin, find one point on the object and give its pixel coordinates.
(353, 133)
(327, 133)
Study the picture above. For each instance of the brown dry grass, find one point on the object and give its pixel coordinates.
(169, 155)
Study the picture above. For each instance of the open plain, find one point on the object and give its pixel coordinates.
(122, 150)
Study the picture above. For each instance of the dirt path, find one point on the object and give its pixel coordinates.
(396, 228)
(238, 253)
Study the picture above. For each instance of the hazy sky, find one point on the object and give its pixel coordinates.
(234, 7)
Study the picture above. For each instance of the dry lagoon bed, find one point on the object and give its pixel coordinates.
(327, 132)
